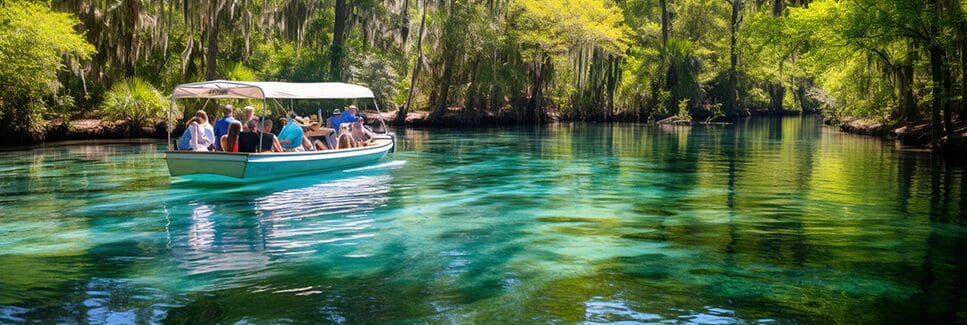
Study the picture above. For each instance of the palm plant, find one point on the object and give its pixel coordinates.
(134, 100)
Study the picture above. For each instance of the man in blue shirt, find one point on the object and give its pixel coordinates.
(348, 116)
(221, 126)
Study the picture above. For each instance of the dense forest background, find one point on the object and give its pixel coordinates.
(520, 61)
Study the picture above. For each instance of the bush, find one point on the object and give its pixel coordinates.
(135, 101)
(683, 113)
(237, 72)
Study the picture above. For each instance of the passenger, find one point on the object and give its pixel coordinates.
(333, 121)
(193, 139)
(249, 115)
(221, 126)
(269, 141)
(360, 133)
(229, 141)
(321, 145)
(308, 145)
(307, 125)
(348, 116)
(248, 140)
(207, 130)
(351, 114)
(291, 137)
(345, 139)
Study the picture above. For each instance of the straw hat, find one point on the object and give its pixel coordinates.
(304, 122)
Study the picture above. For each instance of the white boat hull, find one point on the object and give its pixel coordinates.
(224, 166)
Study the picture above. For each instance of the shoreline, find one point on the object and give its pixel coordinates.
(914, 134)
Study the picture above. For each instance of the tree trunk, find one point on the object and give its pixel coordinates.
(444, 92)
(613, 72)
(211, 61)
(963, 66)
(473, 87)
(730, 96)
(534, 102)
(664, 23)
(449, 58)
(799, 94)
(777, 7)
(337, 50)
(907, 109)
(401, 114)
(961, 42)
(537, 92)
(777, 93)
(134, 10)
(936, 75)
(405, 28)
(947, 118)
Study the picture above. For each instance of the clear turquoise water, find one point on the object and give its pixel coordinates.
(766, 221)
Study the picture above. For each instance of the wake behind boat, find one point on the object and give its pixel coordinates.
(220, 166)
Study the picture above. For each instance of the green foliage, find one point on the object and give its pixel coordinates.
(283, 61)
(583, 58)
(715, 112)
(237, 71)
(35, 45)
(683, 71)
(378, 74)
(554, 26)
(704, 24)
(136, 101)
(663, 97)
(683, 113)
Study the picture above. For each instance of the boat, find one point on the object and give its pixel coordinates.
(215, 166)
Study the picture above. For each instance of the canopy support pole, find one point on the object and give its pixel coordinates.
(381, 122)
(169, 124)
(262, 124)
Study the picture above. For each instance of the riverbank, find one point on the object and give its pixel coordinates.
(58, 130)
(916, 134)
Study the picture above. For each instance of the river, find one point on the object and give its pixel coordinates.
(769, 220)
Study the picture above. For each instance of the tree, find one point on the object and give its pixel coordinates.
(36, 44)
(401, 114)
(731, 92)
(337, 51)
(551, 28)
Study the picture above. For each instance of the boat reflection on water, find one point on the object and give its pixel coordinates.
(243, 230)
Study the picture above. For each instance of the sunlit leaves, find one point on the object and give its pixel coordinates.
(35, 45)
(554, 26)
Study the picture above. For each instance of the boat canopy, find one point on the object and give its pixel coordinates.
(264, 90)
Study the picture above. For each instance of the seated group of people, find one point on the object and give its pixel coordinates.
(343, 131)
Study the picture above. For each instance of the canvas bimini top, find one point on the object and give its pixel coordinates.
(263, 90)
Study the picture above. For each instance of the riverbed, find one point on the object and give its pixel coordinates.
(768, 220)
